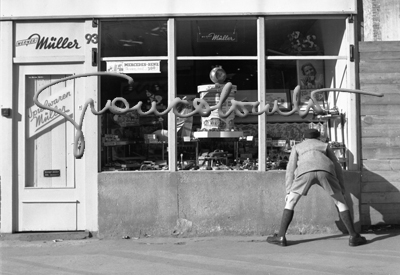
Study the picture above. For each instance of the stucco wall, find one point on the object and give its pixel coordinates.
(381, 20)
(211, 203)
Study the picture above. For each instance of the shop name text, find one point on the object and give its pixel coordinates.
(49, 43)
(43, 117)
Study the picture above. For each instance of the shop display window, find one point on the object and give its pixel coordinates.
(130, 141)
(220, 143)
(310, 53)
(211, 52)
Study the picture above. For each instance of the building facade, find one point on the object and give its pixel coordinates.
(115, 166)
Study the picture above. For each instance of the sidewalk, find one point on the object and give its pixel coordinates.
(306, 254)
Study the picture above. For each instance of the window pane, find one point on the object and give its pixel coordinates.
(49, 136)
(304, 36)
(213, 37)
(134, 38)
(222, 143)
(130, 141)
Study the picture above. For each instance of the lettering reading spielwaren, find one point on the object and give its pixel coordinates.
(42, 117)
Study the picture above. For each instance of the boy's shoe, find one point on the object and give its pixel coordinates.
(357, 240)
(275, 239)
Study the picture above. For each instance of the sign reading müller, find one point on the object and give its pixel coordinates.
(40, 119)
(38, 39)
(217, 37)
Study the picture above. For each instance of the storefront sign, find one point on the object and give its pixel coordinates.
(40, 119)
(47, 43)
(217, 37)
(200, 106)
(43, 39)
(134, 67)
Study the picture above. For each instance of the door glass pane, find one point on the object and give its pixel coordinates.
(49, 136)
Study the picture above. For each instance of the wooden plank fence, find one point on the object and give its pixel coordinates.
(380, 132)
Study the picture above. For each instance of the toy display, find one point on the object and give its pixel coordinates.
(211, 94)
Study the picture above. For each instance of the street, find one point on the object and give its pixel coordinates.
(305, 254)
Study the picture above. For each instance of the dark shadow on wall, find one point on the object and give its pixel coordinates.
(379, 203)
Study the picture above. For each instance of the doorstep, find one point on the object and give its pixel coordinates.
(46, 236)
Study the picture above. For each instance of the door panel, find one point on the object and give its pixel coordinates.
(45, 216)
(49, 198)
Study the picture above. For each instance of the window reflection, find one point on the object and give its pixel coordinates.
(134, 38)
(213, 37)
(304, 36)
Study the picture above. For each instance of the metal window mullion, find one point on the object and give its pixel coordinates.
(262, 119)
(133, 58)
(307, 57)
(172, 145)
(353, 124)
(217, 58)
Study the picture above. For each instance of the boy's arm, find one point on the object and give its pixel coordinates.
(338, 168)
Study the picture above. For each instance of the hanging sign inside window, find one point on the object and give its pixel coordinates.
(217, 37)
(40, 119)
(134, 67)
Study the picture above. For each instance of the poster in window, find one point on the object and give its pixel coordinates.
(310, 74)
(280, 95)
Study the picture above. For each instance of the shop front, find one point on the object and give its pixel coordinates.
(136, 155)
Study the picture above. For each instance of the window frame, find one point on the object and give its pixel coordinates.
(262, 59)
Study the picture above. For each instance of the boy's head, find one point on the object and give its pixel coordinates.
(311, 133)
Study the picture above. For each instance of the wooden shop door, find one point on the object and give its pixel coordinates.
(50, 198)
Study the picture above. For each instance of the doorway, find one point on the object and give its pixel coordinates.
(50, 196)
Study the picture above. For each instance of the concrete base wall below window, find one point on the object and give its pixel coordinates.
(193, 203)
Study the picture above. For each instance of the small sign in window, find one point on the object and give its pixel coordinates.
(51, 173)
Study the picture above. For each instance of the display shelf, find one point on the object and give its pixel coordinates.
(117, 143)
(218, 134)
(329, 116)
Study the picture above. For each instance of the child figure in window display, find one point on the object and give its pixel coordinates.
(310, 79)
(313, 162)
(152, 97)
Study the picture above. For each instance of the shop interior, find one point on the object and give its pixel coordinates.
(133, 142)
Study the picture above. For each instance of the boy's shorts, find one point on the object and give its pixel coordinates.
(326, 180)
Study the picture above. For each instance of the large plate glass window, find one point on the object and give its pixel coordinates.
(312, 54)
(211, 53)
(137, 48)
